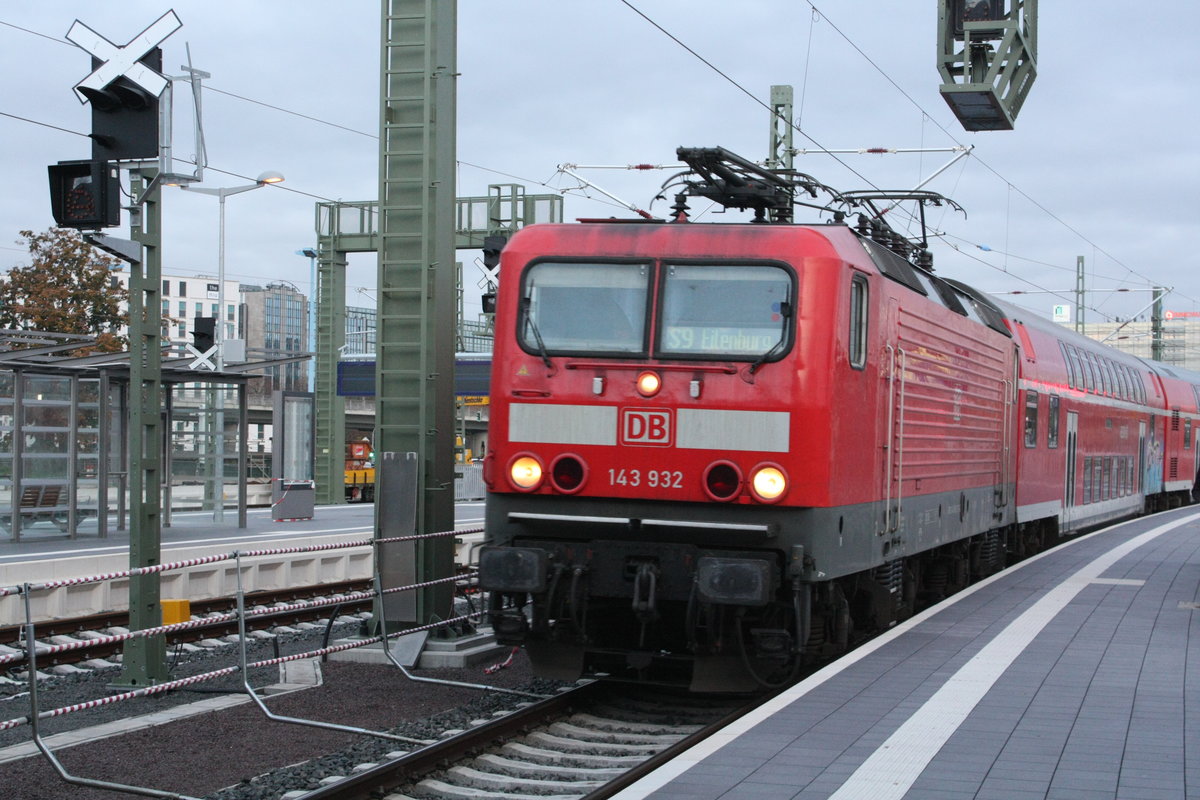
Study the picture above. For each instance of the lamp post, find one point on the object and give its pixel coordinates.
(311, 255)
(265, 178)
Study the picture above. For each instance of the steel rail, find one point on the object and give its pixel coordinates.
(380, 780)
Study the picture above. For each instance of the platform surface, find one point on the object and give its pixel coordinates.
(195, 528)
(1073, 675)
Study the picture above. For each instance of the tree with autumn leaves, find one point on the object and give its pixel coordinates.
(67, 288)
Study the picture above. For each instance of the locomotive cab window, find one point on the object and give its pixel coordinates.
(584, 308)
(725, 311)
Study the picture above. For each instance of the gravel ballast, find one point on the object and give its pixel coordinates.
(238, 752)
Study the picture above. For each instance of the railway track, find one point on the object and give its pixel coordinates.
(82, 628)
(588, 743)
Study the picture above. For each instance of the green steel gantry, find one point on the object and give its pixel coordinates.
(352, 227)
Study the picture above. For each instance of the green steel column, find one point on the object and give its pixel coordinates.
(1080, 294)
(1156, 325)
(330, 407)
(145, 659)
(780, 153)
(415, 328)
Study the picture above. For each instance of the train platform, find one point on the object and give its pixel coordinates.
(196, 528)
(1076, 674)
(42, 556)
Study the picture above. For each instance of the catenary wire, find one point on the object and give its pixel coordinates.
(981, 161)
(816, 14)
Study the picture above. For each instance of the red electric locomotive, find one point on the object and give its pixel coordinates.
(716, 448)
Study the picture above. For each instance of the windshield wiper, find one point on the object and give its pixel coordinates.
(526, 304)
(785, 311)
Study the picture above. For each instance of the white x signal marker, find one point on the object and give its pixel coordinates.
(203, 360)
(123, 61)
(490, 274)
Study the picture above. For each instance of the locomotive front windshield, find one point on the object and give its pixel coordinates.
(585, 308)
(724, 310)
(738, 311)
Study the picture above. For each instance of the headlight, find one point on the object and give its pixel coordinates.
(525, 472)
(648, 384)
(768, 483)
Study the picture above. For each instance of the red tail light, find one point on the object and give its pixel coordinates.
(722, 481)
(568, 474)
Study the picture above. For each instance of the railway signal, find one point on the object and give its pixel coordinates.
(123, 89)
(492, 245)
(84, 195)
(203, 346)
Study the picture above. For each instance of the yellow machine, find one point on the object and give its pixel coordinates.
(359, 475)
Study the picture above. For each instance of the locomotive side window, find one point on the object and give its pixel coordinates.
(725, 311)
(584, 308)
(1031, 415)
(858, 321)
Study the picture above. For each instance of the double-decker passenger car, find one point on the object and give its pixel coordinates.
(716, 448)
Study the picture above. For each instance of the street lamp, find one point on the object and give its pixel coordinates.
(265, 178)
(311, 255)
(270, 176)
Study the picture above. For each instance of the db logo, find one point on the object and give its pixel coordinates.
(645, 427)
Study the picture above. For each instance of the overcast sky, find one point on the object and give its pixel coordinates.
(1103, 163)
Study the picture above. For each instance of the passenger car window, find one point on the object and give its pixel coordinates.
(1031, 418)
(1052, 422)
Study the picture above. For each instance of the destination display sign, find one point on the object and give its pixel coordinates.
(696, 339)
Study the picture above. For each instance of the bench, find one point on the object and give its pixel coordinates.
(38, 503)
